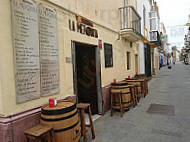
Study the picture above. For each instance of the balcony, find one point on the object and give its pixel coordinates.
(155, 37)
(130, 23)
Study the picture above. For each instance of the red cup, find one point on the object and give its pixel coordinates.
(114, 80)
(51, 102)
(136, 73)
(129, 77)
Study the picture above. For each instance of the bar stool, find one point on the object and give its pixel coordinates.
(82, 107)
(40, 133)
(134, 94)
(114, 95)
(145, 87)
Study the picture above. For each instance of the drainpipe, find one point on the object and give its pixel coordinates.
(124, 14)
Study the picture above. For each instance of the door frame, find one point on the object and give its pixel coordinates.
(98, 74)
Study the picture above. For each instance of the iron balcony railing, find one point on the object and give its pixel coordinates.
(130, 19)
(155, 37)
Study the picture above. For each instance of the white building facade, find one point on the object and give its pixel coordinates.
(155, 36)
(143, 8)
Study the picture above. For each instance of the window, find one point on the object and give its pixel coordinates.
(108, 55)
(153, 24)
(128, 60)
(152, 15)
(153, 36)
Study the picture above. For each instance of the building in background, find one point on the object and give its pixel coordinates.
(143, 8)
(154, 18)
(186, 49)
(164, 44)
(175, 55)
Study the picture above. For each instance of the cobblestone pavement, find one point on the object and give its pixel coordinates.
(168, 87)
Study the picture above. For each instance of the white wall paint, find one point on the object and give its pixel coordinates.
(140, 4)
(141, 57)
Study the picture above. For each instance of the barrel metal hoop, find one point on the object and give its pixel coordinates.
(66, 129)
(59, 119)
(126, 93)
(127, 107)
(59, 111)
(119, 84)
(124, 102)
(120, 88)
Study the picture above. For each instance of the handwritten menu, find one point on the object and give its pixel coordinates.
(48, 50)
(26, 49)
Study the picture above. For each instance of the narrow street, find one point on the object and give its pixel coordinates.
(162, 124)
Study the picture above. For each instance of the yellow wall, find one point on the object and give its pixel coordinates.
(1, 105)
(8, 103)
(104, 12)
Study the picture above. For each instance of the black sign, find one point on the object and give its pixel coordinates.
(83, 29)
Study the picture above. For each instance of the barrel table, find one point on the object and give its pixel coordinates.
(64, 119)
(125, 91)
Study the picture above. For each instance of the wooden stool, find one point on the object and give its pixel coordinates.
(145, 87)
(134, 94)
(117, 94)
(82, 107)
(40, 133)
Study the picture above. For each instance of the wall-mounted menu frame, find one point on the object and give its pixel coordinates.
(26, 49)
(49, 61)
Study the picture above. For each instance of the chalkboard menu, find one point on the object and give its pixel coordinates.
(108, 55)
(48, 50)
(26, 49)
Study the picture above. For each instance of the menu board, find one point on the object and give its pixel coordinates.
(108, 55)
(26, 49)
(48, 50)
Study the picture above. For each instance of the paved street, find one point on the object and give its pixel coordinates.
(168, 87)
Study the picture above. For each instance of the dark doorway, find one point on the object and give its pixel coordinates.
(85, 60)
(147, 52)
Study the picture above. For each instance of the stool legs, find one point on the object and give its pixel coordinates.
(111, 105)
(91, 123)
(135, 92)
(121, 107)
(143, 88)
(132, 97)
(82, 107)
(83, 125)
(52, 135)
(26, 139)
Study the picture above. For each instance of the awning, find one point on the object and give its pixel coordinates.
(153, 45)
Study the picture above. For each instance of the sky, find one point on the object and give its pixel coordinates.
(174, 15)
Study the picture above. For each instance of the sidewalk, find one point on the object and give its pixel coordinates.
(163, 123)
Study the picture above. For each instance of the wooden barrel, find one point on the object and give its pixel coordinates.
(140, 76)
(64, 119)
(126, 93)
(136, 82)
(145, 83)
